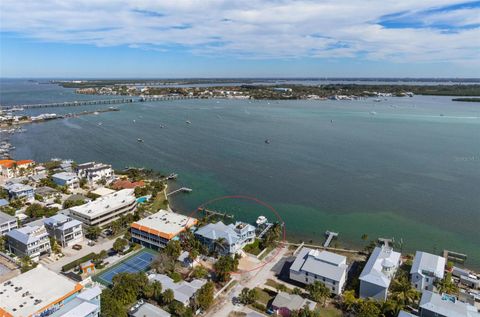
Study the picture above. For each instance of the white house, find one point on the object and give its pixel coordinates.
(94, 172)
(183, 292)
(426, 269)
(443, 305)
(7, 223)
(65, 230)
(378, 272)
(312, 265)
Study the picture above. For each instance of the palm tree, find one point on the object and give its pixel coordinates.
(168, 296)
(403, 292)
(222, 244)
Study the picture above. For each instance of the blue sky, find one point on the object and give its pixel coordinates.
(216, 38)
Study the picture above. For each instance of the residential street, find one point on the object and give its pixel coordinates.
(252, 279)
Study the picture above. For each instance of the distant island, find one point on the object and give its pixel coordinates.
(467, 99)
(251, 90)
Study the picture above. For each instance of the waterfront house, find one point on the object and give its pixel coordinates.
(65, 230)
(378, 272)
(156, 230)
(7, 223)
(284, 303)
(40, 292)
(426, 270)
(226, 239)
(313, 265)
(31, 240)
(183, 291)
(444, 305)
(18, 190)
(67, 179)
(106, 209)
(94, 172)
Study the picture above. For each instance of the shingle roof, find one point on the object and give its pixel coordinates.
(182, 291)
(290, 301)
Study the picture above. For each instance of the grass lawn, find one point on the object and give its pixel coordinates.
(330, 312)
(253, 248)
(158, 203)
(263, 297)
(276, 285)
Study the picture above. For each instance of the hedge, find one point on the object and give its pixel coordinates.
(77, 262)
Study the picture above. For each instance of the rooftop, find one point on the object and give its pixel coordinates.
(105, 204)
(44, 288)
(17, 187)
(291, 301)
(62, 222)
(149, 310)
(428, 263)
(380, 266)
(446, 305)
(103, 191)
(322, 263)
(27, 234)
(164, 223)
(182, 291)
(66, 176)
(6, 217)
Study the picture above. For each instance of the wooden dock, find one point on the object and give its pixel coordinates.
(330, 235)
(183, 189)
(454, 256)
(209, 213)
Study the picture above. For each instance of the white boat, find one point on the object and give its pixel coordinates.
(261, 220)
(188, 122)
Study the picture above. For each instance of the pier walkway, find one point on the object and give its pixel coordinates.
(183, 189)
(330, 235)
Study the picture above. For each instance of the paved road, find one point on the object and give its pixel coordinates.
(72, 255)
(250, 280)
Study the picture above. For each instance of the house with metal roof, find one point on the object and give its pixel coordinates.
(65, 230)
(85, 304)
(378, 272)
(31, 241)
(147, 310)
(443, 305)
(7, 223)
(426, 270)
(313, 265)
(18, 190)
(183, 292)
(67, 179)
(284, 303)
(226, 239)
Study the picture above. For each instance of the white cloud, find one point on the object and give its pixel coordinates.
(255, 28)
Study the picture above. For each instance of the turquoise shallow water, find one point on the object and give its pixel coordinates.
(407, 168)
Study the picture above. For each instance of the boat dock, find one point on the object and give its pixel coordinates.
(268, 226)
(183, 189)
(209, 213)
(330, 235)
(454, 256)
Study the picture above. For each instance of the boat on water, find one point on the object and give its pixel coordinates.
(377, 100)
(100, 123)
(261, 220)
(373, 113)
(140, 140)
(188, 122)
(267, 141)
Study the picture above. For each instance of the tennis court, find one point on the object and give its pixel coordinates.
(138, 262)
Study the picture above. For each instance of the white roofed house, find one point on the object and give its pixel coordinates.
(226, 239)
(443, 305)
(31, 241)
(106, 209)
(65, 230)
(94, 172)
(7, 223)
(426, 270)
(378, 272)
(313, 265)
(183, 292)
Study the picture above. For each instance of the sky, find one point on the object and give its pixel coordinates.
(255, 38)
